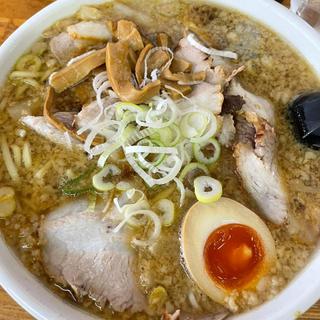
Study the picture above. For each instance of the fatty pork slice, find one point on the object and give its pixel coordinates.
(207, 96)
(79, 249)
(191, 54)
(255, 159)
(64, 47)
(89, 112)
(41, 126)
(228, 131)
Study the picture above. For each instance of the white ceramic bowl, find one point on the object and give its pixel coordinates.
(301, 293)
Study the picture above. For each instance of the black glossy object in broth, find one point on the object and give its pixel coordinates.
(305, 113)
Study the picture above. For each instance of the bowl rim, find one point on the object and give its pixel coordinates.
(32, 295)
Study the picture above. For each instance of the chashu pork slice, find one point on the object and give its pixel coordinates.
(41, 126)
(64, 47)
(255, 159)
(258, 105)
(79, 249)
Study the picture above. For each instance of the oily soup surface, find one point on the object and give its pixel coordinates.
(273, 70)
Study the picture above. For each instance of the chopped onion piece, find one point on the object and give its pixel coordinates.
(139, 149)
(166, 208)
(156, 231)
(210, 51)
(207, 189)
(181, 189)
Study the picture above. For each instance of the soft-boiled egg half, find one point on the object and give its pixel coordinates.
(225, 247)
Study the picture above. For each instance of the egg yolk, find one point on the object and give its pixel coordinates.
(233, 255)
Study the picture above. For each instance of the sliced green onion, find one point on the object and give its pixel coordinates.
(143, 149)
(98, 180)
(163, 193)
(122, 107)
(193, 166)
(79, 185)
(193, 124)
(163, 135)
(169, 136)
(207, 189)
(176, 134)
(166, 209)
(163, 113)
(210, 131)
(142, 157)
(106, 154)
(128, 132)
(127, 118)
(201, 156)
(138, 135)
